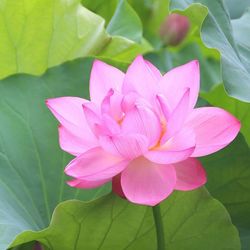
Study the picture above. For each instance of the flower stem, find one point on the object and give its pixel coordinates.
(159, 227)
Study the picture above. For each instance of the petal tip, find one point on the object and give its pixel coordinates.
(195, 62)
(47, 102)
(97, 62)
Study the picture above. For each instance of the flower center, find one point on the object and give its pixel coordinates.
(163, 131)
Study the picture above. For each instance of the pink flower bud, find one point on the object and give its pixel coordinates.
(174, 29)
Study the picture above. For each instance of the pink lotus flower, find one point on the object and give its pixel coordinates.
(141, 131)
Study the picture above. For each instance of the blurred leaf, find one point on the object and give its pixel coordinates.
(152, 14)
(217, 33)
(124, 50)
(241, 29)
(236, 8)
(126, 23)
(38, 34)
(32, 181)
(218, 97)
(192, 220)
(106, 9)
(121, 19)
(167, 59)
(229, 182)
(28, 246)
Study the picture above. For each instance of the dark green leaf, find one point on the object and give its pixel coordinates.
(229, 182)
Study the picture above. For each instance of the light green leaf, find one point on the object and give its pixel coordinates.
(123, 50)
(218, 97)
(236, 8)
(38, 34)
(125, 23)
(217, 33)
(229, 182)
(32, 181)
(192, 220)
(126, 28)
(241, 29)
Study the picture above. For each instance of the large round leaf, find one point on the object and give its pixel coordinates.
(38, 34)
(32, 181)
(217, 32)
(191, 220)
(229, 181)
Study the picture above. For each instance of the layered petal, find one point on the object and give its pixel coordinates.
(189, 174)
(103, 78)
(147, 183)
(95, 165)
(142, 120)
(177, 118)
(69, 112)
(141, 77)
(177, 148)
(128, 146)
(175, 82)
(163, 107)
(72, 143)
(78, 183)
(92, 116)
(214, 129)
(112, 104)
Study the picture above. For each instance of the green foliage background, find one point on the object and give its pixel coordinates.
(47, 48)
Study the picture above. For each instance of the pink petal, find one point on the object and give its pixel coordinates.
(175, 82)
(95, 165)
(147, 183)
(128, 146)
(68, 111)
(163, 107)
(190, 174)
(72, 143)
(128, 102)
(103, 78)
(178, 116)
(112, 126)
(154, 70)
(142, 120)
(78, 183)
(112, 105)
(100, 124)
(140, 78)
(105, 106)
(91, 113)
(214, 129)
(177, 148)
